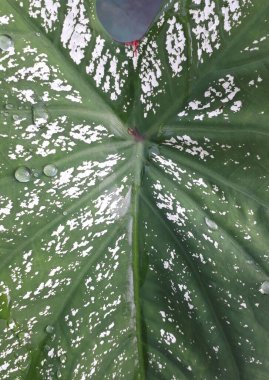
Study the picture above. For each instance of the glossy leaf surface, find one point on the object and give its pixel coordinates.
(134, 193)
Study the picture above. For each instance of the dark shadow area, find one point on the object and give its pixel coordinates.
(127, 20)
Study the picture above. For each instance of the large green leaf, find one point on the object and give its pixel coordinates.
(146, 255)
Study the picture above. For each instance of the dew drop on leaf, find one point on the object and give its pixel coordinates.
(6, 42)
(25, 360)
(23, 174)
(15, 117)
(63, 359)
(50, 329)
(8, 106)
(40, 114)
(212, 225)
(153, 149)
(13, 326)
(4, 304)
(59, 374)
(50, 170)
(36, 173)
(264, 289)
(23, 337)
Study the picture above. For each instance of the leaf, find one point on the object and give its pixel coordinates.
(134, 193)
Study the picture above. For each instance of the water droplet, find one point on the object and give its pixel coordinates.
(14, 326)
(25, 361)
(50, 329)
(15, 117)
(23, 337)
(50, 170)
(211, 224)
(20, 335)
(63, 359)
(4, 303)
(59, 374)
(8, 106)
(264, 289)
(22, 355)
(64, 213)
(36, 173)
(126, 312)
(23, 174)
(38, 34)
(153, 150)
(6, 42)
(6, 114)
(47, 347)
(40, 114)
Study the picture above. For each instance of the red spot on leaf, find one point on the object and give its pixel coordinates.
(136, 135)
(135, 45)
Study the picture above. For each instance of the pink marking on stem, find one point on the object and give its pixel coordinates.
(136, 135)
(135, 45)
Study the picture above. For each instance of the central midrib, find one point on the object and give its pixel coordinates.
(140, 374)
